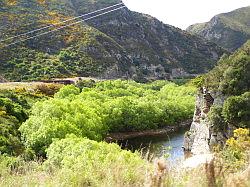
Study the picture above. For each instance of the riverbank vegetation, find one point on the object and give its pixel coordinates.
(89, 110)
(53, 132)
(109, 106)
(61, 136)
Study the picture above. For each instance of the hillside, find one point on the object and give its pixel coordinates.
(231, 75)
(229, 30)
(122, 44)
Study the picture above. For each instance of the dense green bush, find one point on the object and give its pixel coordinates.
(216, 118)
(236, 153)
(67, 91)
(58, 117)
(231, 76)
(83, 162)
(14, 110)
(110, 106)
(12, 114)
(236, 110)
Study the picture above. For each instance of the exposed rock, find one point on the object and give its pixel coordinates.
(197, 138)
(197, 160)
(2, 79)
(203, 136)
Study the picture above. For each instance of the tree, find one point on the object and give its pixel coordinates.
(236, 110)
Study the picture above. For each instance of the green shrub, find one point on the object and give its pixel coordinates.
(198, 81)
(56, 118)
(79, 161)
(67, 92)
(13, 111)
(48, 89)
(236, 153)
(216, 118)
(110, 106)
(236, 110)
(85, 84)
(231, 76)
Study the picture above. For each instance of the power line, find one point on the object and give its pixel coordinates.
(98, 15)
(59, 23)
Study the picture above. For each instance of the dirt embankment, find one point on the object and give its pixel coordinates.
(113, 137)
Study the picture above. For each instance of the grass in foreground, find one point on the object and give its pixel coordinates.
(78, 161)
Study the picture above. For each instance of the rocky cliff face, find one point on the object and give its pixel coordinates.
(202, 136)
(222, 105)
(2, 79)
(122, 44)
(230, 30)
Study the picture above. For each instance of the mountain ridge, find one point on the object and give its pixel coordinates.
(229, 30)
(122, 44)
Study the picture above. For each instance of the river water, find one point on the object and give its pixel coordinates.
(168, 145)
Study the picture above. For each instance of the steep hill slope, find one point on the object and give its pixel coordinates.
(120, 44)
(229, 30)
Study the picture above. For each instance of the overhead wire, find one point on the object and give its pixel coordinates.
(59, 23)
(62, 27)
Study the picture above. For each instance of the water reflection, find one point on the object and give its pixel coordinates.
(159, 146)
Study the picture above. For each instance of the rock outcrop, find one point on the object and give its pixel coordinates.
(197, 139)
(2, 79)
(202, 137)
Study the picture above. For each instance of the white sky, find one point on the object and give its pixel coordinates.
(182, 13)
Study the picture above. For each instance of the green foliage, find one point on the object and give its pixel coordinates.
(237, 151)
(67, 92)
(216, 118)
(110, 106)
(85, 83)
(80, 161)
(181, 81)
(12, 114)
(7, 164)
(14, 109)
(236, 110)
(198, 81)
(56, 118)
(231, 76)
(236, 78)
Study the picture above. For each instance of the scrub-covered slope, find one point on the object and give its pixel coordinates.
(229, 30)
(119, 44)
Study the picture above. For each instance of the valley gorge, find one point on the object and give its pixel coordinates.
(122, 44)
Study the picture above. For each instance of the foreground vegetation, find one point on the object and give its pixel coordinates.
(75, 161)
(57, 128)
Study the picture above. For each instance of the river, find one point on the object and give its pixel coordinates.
(159, 146)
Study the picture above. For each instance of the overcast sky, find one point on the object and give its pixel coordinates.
(182, 13)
